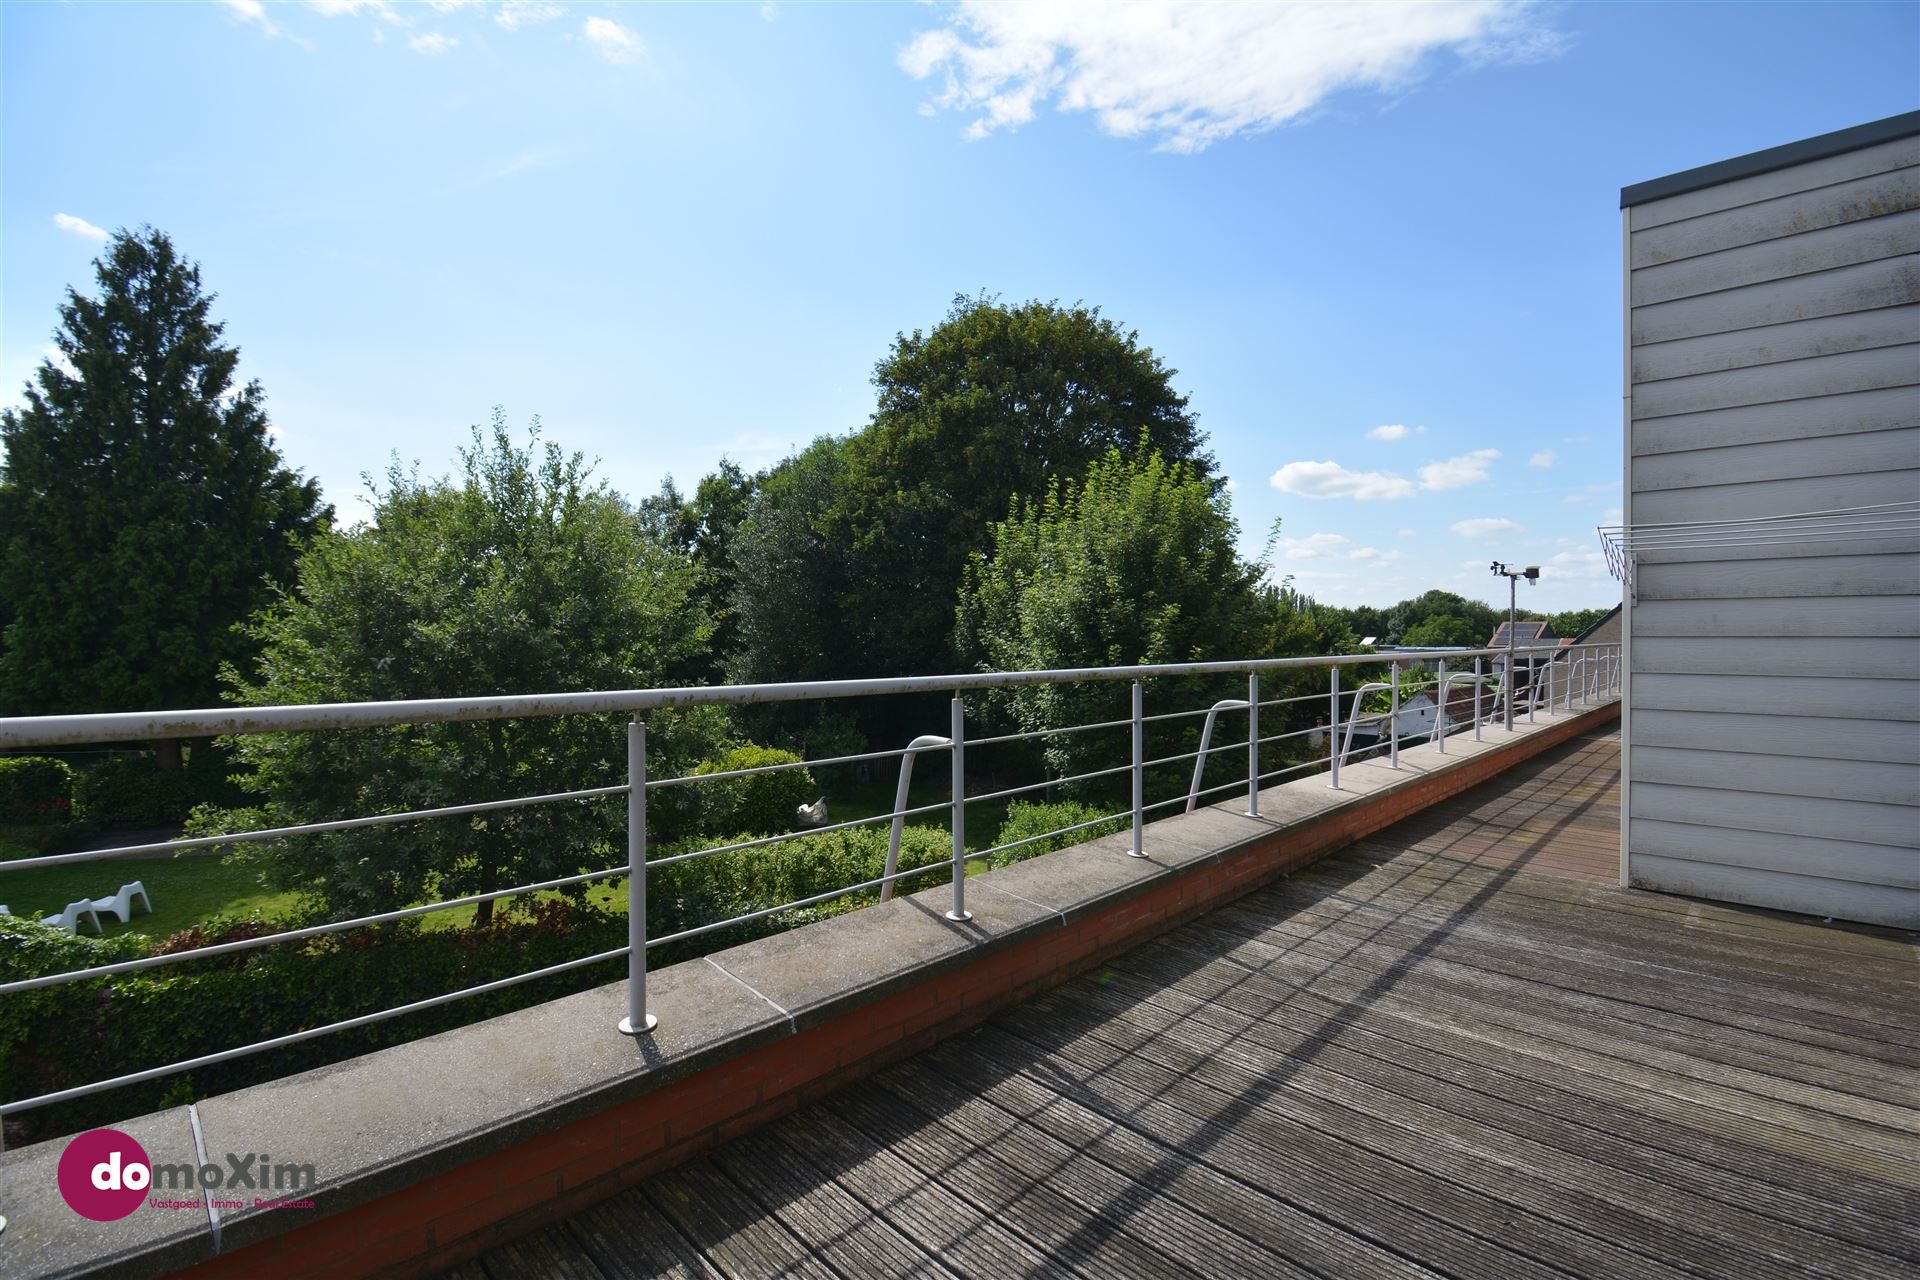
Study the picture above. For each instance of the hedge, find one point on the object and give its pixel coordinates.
(60, 1036)
(35, 790)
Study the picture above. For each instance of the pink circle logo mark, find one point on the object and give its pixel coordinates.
(104, 1175)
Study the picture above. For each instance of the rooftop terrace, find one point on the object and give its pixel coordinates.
(1455, 1047)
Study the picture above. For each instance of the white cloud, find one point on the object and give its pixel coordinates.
(1578, 564)
(1456, 473)
(79, 227)
(1394, 431)
(432, 43)
(1331, 480)
(614, 42)
(1406, 533)
(1484, 527)
(1314, 546)
(1611, 515)
(1195, 73)
(1543, 459)
(1333, 546)
(769, 12)
(348, 8)
(515, 14)
(1576, 499)
(1233, 486)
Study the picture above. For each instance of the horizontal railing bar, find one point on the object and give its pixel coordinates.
(309, 828)
(943, 864)
(1295, 733)
(1213, 749)
(141, 726)
(1047, 835)
(1047, 733)
(1179, 715)
(345, 1024)
(764, 841)
(1304, 697)
(1050, 782)
(307, 931)
(653, 784)
(1314, 763)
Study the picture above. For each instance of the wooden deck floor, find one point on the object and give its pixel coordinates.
(1456, 1048)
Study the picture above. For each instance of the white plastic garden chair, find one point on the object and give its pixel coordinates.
(121, 903)
(71, 917)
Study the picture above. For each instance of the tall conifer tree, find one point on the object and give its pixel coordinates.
(144, 510)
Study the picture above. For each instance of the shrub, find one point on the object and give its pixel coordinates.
(1026, 820)
(55, 1037)
(684, 895)
(35, 789)
(125, 789)
(762, 802)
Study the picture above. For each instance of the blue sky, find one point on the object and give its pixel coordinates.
(1381, 244)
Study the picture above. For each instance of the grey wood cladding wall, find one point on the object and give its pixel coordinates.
(1773, 366)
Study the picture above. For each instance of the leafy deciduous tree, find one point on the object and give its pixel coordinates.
(992, 405)
(1442, 630)
(520, 575)
(1136, 564)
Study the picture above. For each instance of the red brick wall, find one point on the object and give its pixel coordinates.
(453, 1216)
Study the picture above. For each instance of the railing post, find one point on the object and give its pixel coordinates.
(1440, 713)
(1511, 681)
(959, 911)
(638, 1021)
(1139, 773)
(1393, 722)
(1333, 733)
(1476, 700)
(1253, 744)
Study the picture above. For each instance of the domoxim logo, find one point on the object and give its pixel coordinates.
(104, 1175)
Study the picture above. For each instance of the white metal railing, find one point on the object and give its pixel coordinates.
(1594, 668)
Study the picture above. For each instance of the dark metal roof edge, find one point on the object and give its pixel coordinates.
(1807, 149)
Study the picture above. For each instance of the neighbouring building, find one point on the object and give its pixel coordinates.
(1771, 731)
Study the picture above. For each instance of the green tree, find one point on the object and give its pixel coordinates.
(520, 575)
(1443, 630)
(991, 406)
(792, 584)
(704, 527)
(1402, 618)
(1572, 622)
(144, 510)
(1136, 564)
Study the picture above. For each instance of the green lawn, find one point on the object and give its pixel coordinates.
(184, 891)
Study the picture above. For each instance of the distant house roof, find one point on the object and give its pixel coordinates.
(1523, 633)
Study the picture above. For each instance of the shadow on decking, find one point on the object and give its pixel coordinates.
(1453, 1047)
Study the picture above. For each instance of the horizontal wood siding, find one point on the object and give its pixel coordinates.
(1863, 864)
(1774, 368)
(1779, 775)
(1781, 695)
(1832, 616)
